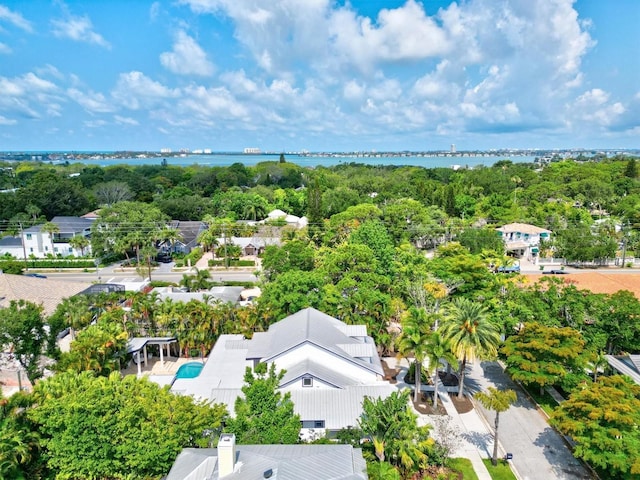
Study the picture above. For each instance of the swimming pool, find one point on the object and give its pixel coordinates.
(189, 370)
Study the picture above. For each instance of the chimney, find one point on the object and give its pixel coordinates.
(226, 454)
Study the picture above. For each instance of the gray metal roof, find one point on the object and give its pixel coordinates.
(338, 408)
(309, 326)
(626, 365)
(288, 462)
(317, 371)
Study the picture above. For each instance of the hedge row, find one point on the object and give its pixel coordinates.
(232, 263)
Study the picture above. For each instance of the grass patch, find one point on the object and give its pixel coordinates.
(545, 401)
(502, 471)
(464, 466)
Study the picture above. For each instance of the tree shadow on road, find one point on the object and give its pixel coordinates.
(564, 464)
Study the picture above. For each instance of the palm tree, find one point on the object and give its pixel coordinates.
(51, 228)
(413, 339)
(499, 401)
(18, 442)
(79, 242)
(438, 349)
(77, 312)
(472, 335)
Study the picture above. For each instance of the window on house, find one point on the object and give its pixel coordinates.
(70, 250)
(318, 424)
(28, 236)
(46, 248)
(307, 382)
(31, 249)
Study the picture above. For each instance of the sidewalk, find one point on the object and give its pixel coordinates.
(476, 441)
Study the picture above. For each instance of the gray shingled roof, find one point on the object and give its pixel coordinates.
(288, 462)
(41, 291)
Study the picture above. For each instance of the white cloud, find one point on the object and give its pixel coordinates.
(15, 19)
(79, 29)
(7, 121)
(28, 96)
(93, 102)
(594, 107)
(125, 120)
(95, 123)
(134, 90)
(154, 11)
(187, 57)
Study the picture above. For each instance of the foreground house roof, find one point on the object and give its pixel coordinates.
(41, 291)
(286, 462)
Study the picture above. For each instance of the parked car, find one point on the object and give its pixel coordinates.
(35, 275)
(164, 258)
(556, 271)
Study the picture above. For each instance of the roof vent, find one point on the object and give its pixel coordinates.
(268, 473)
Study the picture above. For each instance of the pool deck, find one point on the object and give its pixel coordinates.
(156, 368)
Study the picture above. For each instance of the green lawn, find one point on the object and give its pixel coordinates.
(463, 465)
(502, 471)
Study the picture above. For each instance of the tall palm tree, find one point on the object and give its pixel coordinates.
(472, 335)
(51, 228)
(499, 401)
(438, 349)
(413, 340)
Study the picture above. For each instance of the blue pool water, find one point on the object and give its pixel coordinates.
(189, 370)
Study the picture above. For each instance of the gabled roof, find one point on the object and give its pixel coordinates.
(308, 326)
(522, 228)
(627, 365)
(189, 230)
(288, 462)
(316, 370)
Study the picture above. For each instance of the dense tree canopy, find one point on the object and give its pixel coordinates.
(114, 427)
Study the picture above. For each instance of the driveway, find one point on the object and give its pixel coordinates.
(539, 452)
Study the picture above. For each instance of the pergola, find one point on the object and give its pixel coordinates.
(139, 344)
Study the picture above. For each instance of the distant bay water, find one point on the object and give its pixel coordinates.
(224, 160)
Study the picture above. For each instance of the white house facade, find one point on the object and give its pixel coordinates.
(523, 240)
(40, 244)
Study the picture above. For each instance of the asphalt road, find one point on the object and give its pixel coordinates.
(163, 273)
(539, 452)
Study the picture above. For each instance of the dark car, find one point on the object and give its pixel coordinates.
(164, 258)
(556, 272)
(35, 275)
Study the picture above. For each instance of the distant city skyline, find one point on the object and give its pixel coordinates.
(321, 75)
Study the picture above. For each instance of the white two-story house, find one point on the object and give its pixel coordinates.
(330, 368)
(523, 240)
(40, 244)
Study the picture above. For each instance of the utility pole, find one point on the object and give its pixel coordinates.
(24, 248)
(624, 245)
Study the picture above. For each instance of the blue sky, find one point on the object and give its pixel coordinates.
(330, 75)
